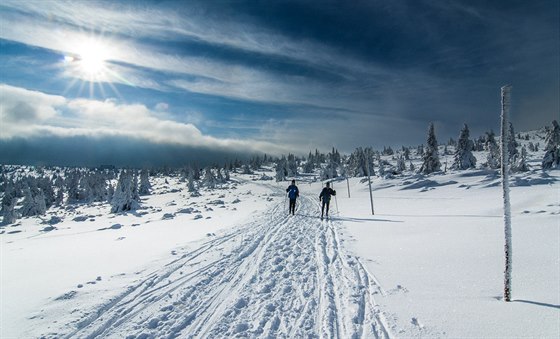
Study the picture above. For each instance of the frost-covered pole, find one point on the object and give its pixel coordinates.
(369, 183)
(505, 186)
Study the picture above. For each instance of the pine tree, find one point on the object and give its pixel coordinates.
(33, 201)
(521, 164)
(292, 166)
(281, 171)
(329, 171)
(72, 187)
(401, 166)
(209, 179)
(123, 198)
(512, 145)
(463, 158)
(431, 162)
(145, 186)
(9, 200)
(551, 157)
(406, 153)
(493, 158)
(191, 182)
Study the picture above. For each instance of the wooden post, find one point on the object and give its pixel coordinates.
(505, 189)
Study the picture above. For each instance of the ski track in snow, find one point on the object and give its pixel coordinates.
(278, 276)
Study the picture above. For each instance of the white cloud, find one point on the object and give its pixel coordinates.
(97, 119)
(22, 106)
(161, 106)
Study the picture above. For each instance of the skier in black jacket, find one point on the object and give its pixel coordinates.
(293, 194)
(325, 197)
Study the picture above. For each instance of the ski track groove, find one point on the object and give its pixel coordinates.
(277, 276)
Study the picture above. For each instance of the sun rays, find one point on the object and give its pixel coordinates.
(88, 64)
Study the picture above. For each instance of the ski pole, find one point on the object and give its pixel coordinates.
(336, 203)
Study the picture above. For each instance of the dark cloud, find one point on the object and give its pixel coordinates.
(118, 151)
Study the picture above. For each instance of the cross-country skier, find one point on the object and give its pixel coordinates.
(293, 194)
(325, 197)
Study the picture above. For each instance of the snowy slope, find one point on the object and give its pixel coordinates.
(232, 263)
(436, 247)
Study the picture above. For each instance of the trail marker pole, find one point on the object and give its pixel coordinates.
(505, 187)
(369, 183)
(348, 185)
(335, 200)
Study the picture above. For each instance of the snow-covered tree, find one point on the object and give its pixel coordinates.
(123, 198)
(292, 166)
(209, 178)
(191, 182)
(329, 171)
(401, 166)
(381, 169)
(493, 157)
(281, 170)
(33, 202)
(135, 194)
(246, 169)
(521, 164)
(463, 158)
(9, 201)
(420, 150)
(145, 186)
(551, 157)
(406, 153)
(430, 158)
(59, 197)
(512, 145)
(360, 162)
(72, 187)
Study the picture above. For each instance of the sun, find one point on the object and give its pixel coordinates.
(88, 61)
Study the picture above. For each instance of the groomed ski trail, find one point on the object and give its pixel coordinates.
(278, 276)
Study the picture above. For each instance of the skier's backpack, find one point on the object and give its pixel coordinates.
(292, 193)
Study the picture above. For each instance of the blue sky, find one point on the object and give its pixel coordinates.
(154, 82)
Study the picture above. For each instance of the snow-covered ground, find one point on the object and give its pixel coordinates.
(232, 263)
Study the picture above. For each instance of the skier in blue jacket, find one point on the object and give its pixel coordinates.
(325, 198)
(293, 194)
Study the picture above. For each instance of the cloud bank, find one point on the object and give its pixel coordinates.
(30, 117)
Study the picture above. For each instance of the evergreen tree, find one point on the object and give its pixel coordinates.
(430, 158)
(123, 198)
(281, 170)
(401, 166)
(59, 198)
(406, 153)
(9, 200)
(493, 159)
(512, 145)
(145, 186)
(292, 166)
(329, 171)
(463, 158)
(521, 164)
(72, 187)
(191, 182)
(209, 178)
(551, 157)
(33, 202)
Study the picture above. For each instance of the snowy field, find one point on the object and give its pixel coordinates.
(232, 262)
(428, 264)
